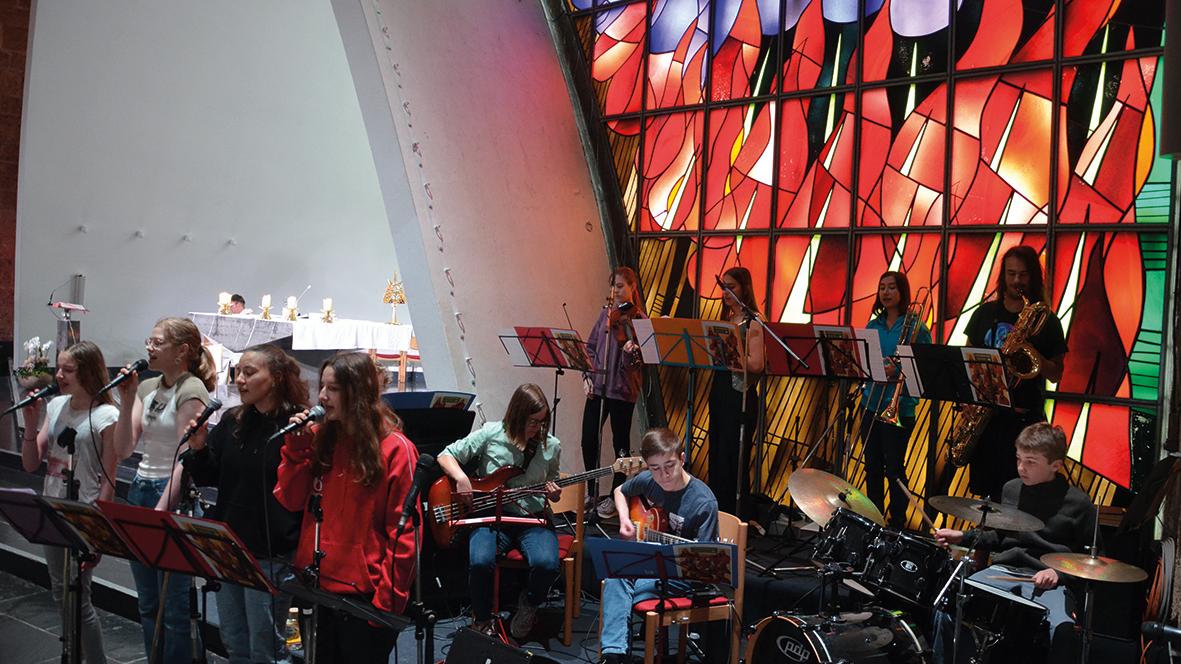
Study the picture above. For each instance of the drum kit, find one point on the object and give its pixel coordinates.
(909, 577)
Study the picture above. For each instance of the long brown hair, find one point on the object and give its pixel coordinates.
(903, 293)
(290, 391)
(92, 369)
(1027, 255)
(527, 400)
(183, 332)
(364, 419)
(746, 284)
(629, 276)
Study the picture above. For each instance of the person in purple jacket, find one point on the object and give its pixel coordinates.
(614, 385)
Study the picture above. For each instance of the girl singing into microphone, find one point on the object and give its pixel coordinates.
(89, 422)
(237, 458)
(359, 467)
(156, 412)
(614, 386)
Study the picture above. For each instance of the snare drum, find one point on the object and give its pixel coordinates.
(874, 635)
(908, 567)
(1002, 612)
(846, 539)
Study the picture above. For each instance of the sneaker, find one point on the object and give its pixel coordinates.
(525, 617)
(606, 508)
(613, 658)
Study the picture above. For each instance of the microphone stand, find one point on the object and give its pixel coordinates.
(190, 499)
(750, 315)
(72, 653)
(312, 573)
(424, 618)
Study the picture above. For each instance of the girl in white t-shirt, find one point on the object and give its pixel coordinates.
(75, 416)
(156, 412)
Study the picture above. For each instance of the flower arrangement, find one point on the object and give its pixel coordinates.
(34, 372)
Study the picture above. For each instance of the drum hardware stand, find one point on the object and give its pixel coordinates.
(983, 639)
(1089, 595)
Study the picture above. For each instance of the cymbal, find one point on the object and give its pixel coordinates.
(818, 494)
(1000, 517)
(1095, 568)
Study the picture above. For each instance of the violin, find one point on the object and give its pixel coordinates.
(619, 320)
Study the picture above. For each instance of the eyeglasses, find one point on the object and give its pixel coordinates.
(152, 344)
(537, 422)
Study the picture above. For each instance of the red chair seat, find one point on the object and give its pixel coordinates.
(564, 542)
(674, 604)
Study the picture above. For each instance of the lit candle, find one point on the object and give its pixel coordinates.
(290, 301)
(327, 304)
(223, 298)
(266, 300)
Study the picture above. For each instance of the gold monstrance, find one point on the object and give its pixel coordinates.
(394, 295)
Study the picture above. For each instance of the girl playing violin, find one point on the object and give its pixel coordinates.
(614, 386)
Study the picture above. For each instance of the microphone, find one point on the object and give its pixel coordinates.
(1155, 630)
(47, 391)
(300, 296)
(425, 472)
(314, 415)
(213, 406)
(136, 367)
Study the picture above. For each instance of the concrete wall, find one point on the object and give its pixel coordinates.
(485, 182)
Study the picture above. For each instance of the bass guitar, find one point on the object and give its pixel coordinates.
(447, 513)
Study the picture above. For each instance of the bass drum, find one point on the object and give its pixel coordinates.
(873, 636)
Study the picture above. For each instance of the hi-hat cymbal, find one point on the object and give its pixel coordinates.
(818, 494)
(1001, 517)
(1095, 568)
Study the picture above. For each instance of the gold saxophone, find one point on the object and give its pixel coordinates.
(910, 327)
(1022, 361)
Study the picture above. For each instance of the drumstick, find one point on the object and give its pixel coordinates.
(1018, 579)
(915, 501)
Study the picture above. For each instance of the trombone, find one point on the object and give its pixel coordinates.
(911, 320)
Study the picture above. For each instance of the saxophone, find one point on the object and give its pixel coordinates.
(1022, 362)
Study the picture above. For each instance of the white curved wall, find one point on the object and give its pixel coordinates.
(235, 123)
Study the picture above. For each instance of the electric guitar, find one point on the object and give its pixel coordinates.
(444, 507)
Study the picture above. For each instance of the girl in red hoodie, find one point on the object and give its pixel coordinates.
(361, 465)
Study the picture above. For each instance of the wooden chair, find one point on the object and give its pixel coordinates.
(678, 610)
(569, 554)
(400, 361)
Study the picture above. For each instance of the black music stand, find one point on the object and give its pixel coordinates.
(547, 348)
(713, 563)
(181, 544)
(70, 524)
(689, 343)
(830, 352)
(307, 591)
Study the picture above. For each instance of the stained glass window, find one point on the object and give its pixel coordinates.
(822, 143)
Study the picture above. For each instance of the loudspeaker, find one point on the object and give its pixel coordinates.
(1170, 119)
(472, 647)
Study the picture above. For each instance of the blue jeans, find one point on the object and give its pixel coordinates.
(1054, 600)
(176, 646)
(619, 596)
(252, 622)
(540, 548)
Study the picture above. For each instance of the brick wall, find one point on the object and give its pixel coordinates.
(14, 45)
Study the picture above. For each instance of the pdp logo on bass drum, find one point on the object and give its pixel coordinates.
(909, 566)
(793, 649)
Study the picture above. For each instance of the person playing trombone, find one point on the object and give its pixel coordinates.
(889, 413)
